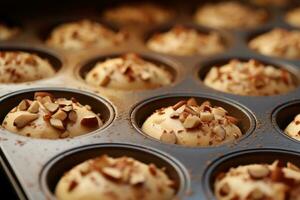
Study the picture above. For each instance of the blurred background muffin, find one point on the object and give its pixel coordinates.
(138, 13)
(84, 34)
(249, 78)
(278, 43)
(129, 72)
(230, 15)
(277, 3)
(111, 178)
(293, 17)
(18, 67)
(184, 41)
(188, 123)
(7, 32)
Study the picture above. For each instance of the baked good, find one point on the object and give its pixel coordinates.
(7, 32)
(249, 78)
(84, 34)
(293, 129)
(189, 124)
(128, 72)
(278, 43)
(109, 178)
(230, 15)
(293, 17)
(184, 41)
(139, 13)
(259, 182)
(51, 118)
(277, 3)
(19, 66)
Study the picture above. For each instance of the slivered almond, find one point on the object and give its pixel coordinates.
(112, 172)
(105, 81)
(64, 102)
(179, 104)
(42, 94)
(259, 171)
(72, 116)
(206, 116)
(183, 116)
(219, 111)
(61, 115)
(89, 121)
(67, 108)
(56, 123)
(192, 102)
(168, 137)
(46, 99)
(23, 105)
(52, 107)
(34, 107)
(24, 119)
(136, 178)
(190, 110)
(191, 122)
(220, 132)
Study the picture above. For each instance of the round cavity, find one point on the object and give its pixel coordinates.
(225, 38)
(166, 64)
(98, 104)
(284, 115)
(58, 166)
(205, 67)
(253, 156)
(146, 108)
(54, 60)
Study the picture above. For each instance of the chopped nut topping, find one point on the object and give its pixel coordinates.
(259, 171)
(52, 107)
(23, 105)
(168, 137)
(34, 107)
(220, 132)
(112, 172)
(178, 105)
(57, 123)
(64, 102)
(90, 121)
(192, 102)
(42, 94)
(191, 122)
(136, 178)
(72, 116)
(206, 116)
(293, 167)
(61, 115)
(67, 108)
(25, 118)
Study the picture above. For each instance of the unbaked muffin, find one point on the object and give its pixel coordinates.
(230, 15)
(84, 34)
(278, 43)
(259, 182)
(277, 3)
(140, 13)
(293, 17)
(18, 66)
(293, 129)
(51, 118)
(188, 123)
(7, 32)
(128, 72)
(184, 41)
(108, 178)
(250, 78)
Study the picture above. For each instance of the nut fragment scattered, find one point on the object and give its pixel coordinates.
(52, 107)
(61, 115)
(191, 122)
(112, 172)
(23, 105)
(72, 116)
(25, 118)
(34, 107)
(168, 137)
(259, 171)
(57, 123)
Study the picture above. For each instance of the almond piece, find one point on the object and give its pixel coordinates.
(293, 167)
(56, 123)
(63, 102)
(258, 172)
(191, 122)
(24, 119)
(183, 116)
(61, 115)
(90, 121)
(52, 107)
(34, 107)
(206, 116)
(168, 137)
(67, 108)
(72, 116)
(220, 132)
(136, 178)
(219, 111)
(46, 99)
(23, 105)
(190, 110)
(42, 94)
(145, 76)
(178, 105)
(112, 172)
(192, 102)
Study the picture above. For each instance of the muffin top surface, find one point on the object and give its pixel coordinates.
(183, 41)
(250, 78)
(259, 182)
(293, 129)
(278, 43)
(48, 117)
(128, 72)
(7, 32)
(18, 66)
(189, 124)
(230, 15)
(140, 13)
(293, 17)
(115, 179)
(84, 34)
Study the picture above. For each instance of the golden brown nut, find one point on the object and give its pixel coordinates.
(249, 78)
(189, 124)
(46, 117)
(115, 178)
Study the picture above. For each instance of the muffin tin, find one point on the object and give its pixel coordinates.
(35, 165)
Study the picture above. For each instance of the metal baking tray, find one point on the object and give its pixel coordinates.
(34, 166)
